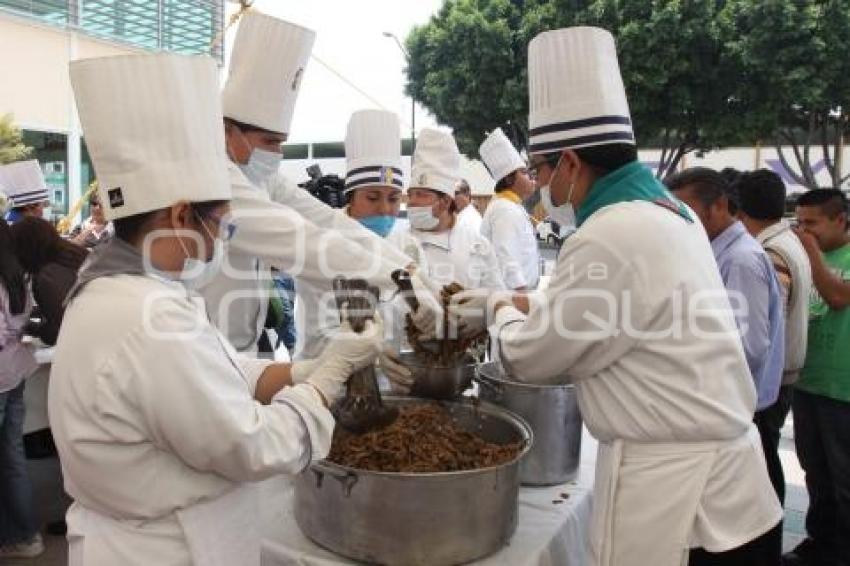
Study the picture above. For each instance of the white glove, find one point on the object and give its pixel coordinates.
(474, 309)
(345, 353)
(399, 376)
(429, 316)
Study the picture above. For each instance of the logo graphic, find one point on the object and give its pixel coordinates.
(297, 80)
(116, 198)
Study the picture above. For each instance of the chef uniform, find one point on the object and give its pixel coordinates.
(373, 159)
(506, 223)
(267, 64)
(23, 184)
(636, 316)
(152, 410)
(458, 254)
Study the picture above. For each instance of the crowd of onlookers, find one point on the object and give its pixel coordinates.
(788, 285)
(38, 267)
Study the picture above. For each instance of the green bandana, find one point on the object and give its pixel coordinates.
(629, 183)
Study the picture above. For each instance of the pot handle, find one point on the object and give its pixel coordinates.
(347, 479)
(495, 389)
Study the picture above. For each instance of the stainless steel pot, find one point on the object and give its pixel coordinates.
(552, 412)
(437, 519)
(438, 382)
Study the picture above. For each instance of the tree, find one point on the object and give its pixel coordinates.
(468, 66)
(12, 147)
(795, 78)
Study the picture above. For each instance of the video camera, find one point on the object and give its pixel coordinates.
(329, 189)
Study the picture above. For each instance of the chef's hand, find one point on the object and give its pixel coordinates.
(429, 316)
(476, 308)
(345, 353)
(400, 377)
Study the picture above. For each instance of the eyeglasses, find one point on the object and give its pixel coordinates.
(226, 226)
(534, 168)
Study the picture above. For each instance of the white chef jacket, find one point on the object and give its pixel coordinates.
(459, 255)
(316, 314)
(508, 228)
(295, 241)
(157, 429)
(470, 217)
(637, 317)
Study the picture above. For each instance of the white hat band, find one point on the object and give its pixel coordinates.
(581, 133)
(374, 175)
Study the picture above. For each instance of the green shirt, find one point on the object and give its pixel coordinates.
(827, 369)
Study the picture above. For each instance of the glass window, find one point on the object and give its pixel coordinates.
(296, 150)
(328, 150)
(51, 151)
(51, 11)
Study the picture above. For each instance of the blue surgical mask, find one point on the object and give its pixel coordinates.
(381, 225)
(261, 166)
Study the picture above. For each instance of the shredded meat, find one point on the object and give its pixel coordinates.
(423, 439)
(444, 352)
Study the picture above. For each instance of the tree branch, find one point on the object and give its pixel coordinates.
(830, 166)
(665, 151)
(782, 159)
(802, 178)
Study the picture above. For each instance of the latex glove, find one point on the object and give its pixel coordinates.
(399, 376)
(429, 316)
(475, 309)
(345, 353)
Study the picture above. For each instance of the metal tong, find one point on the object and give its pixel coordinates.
(362, 408)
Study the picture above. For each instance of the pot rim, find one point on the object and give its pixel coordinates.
(485, 407)
(483, 374)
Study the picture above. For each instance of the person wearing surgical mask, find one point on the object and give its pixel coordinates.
(147, 396)
(374, 182)
(297, 234)
(454, 252)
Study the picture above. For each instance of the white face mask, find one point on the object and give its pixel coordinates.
(197, 273)
(565, 214)
(261, 166)
(422, 218)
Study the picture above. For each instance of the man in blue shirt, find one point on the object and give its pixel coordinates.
(754, 292)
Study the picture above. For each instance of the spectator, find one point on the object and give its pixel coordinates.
(19, 536)
(95, 229)
(821, 402)
(754, 292)
(52, 264)
(23, 184)
(762, 204)
(467, 214)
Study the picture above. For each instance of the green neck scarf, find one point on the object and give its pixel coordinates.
(629, 183)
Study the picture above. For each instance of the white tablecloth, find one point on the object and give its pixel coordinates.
(548, 533)
(35, 392)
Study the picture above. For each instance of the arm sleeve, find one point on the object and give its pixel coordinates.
(505, 238)
(576, 327)
(749, 295)
(199, 405)
(285, 239)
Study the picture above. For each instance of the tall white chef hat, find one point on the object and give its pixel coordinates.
(266, 67)
(576, 93)
(436, 162)
(373, 150)
(499, 155)
(155, 134)
(23, 183)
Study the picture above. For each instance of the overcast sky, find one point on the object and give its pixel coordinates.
(349, 39)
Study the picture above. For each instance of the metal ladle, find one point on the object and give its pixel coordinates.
(362, 409)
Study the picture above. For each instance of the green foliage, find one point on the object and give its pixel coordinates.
(12, 147)
(700, 74)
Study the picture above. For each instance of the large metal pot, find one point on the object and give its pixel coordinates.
(437, 519)
(433, 381)
(553, 413)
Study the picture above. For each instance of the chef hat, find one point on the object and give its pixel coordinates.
(436, 162)
(23, 183)
(576, 94)
(266, 67)
(373, 150)
(499, 155)
(155, 134)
